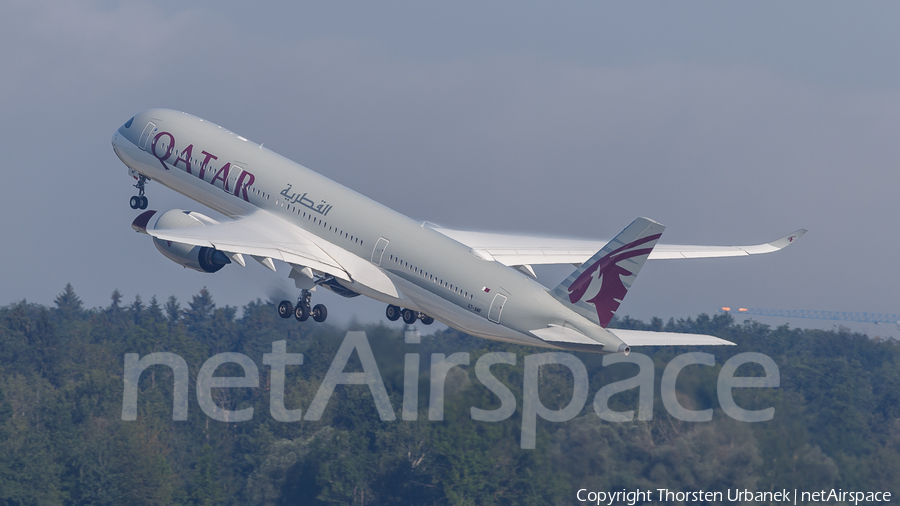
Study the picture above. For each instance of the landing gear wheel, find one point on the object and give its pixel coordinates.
(139, 201)
(427, 320)
(319, 313)
(392, 312)
(285, 309)
(409, 316)
(301, 313)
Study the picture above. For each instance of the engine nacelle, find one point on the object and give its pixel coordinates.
(336, 287)
(198, 258)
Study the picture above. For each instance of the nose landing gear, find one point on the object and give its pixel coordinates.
(302, 311)
(139, 201)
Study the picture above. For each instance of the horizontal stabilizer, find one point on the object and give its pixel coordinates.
(559, 334)
(649, 338)
(567, 338)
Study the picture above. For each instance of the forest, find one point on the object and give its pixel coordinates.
(63, 439)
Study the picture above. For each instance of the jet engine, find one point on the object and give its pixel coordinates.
(333, 285)
(198, 258)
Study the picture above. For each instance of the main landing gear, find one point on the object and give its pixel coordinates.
(139, 201)
(409, 316)
(302, 311)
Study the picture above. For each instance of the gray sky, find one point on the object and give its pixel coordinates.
(731, 123)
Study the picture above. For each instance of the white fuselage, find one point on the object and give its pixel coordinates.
(432, 273)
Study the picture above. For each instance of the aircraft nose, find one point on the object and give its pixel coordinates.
(120, 133)
(115, 146)
(116, 140)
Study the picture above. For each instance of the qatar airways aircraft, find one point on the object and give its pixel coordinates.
(330, 236)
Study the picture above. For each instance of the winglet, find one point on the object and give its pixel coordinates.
(788, 239)
(775, 245)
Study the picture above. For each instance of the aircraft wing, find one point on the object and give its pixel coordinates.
(263, 235)
(516, 250)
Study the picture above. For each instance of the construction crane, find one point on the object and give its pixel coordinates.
(847, 316)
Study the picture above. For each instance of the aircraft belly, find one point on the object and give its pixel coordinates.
(459, 318)
(400, 300)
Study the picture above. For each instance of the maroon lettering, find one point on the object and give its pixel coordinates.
(240, 185)
(209, 156)
(244, 181)
(222, 174)
(185, 157)
(169, 147)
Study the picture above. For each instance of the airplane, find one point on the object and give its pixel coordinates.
(330, 236)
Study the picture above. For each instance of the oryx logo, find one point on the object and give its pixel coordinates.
(605, 275)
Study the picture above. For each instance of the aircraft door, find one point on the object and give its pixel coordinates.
(497, 307)
(233, 174)
(378, 252)
(146, 135)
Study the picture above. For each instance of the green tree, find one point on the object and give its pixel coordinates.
(68, 303)
(173, 309)
(207, 491)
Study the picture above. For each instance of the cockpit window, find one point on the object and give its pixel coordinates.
(128, 123)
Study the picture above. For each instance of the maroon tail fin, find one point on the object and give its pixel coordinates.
(596, 289)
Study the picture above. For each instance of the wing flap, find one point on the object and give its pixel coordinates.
(259, 236)
(263, 235)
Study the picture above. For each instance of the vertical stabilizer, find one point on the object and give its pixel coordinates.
(596, 289)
